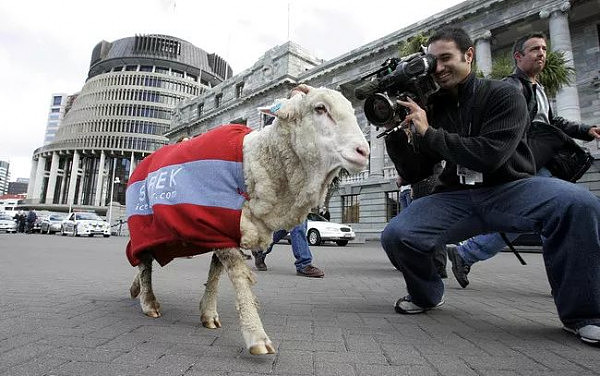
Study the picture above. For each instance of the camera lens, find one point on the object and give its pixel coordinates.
(379, 110)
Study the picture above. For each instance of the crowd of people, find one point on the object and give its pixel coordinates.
(25, 221)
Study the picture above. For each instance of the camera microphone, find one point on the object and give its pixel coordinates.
(368, 88)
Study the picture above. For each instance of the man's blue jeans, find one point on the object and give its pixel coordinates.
(299, 245)
(566, 215)
(483, 247)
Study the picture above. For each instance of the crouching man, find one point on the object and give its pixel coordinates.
(477, 127)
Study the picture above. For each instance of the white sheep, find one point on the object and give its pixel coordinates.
(284, 171)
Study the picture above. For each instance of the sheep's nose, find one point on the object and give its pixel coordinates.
(363, 150)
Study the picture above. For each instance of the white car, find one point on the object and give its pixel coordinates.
(82, 223)
(7, 223)
(52, 223)
(319, 230)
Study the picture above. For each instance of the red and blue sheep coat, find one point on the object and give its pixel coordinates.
(186, 199)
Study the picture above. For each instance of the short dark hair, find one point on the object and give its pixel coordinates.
(519, 43)
(455, 34)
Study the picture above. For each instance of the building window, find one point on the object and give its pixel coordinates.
(200, 109)
(350, 209)
(56, 100)
(218, 99)
(392, 204)
(239, 90)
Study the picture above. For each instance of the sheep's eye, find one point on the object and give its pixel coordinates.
(320, 109)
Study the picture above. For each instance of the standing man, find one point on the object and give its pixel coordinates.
(547, 135)
(478, 127)
(300, 250)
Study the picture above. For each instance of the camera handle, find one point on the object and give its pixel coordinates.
(410, 126)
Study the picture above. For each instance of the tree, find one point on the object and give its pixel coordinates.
(556, 73)
(413, 44)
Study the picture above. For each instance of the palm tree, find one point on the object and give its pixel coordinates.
(556, 73)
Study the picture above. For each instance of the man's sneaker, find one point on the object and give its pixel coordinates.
(405, 306)
(259, 261)
(311, 271)
(460, 268)
(589, 334)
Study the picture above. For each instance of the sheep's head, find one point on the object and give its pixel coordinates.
(323, 129)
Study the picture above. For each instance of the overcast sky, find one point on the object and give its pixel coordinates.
(45, 46)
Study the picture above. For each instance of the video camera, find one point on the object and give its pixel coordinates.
(397, 79)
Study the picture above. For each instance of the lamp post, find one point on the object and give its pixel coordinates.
(112, 189)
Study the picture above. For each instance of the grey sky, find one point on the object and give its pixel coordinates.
(45, 46)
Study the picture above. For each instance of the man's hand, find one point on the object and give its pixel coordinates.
(594, 132)
(417, 115)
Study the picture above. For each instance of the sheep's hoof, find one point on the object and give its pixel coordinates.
(153, 314)
(152, 309)
(211, 322)
(262, 349)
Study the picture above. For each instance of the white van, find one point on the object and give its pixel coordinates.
(10, 206)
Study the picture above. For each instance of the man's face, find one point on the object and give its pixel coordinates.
(533, 57)
(453, 66)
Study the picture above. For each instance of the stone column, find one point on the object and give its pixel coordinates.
(73, 180)
(567, 98)
(100, 179)
(52, 179)
(377, 153)
(32, 175)
(131, 164)
(39, 179)
(80, 193)
(483, 52)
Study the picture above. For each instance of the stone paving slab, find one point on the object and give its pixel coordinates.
(65, 311)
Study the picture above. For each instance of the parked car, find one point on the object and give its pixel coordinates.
(319, 230)
(83, 223)
(8, 223)
(51, 223)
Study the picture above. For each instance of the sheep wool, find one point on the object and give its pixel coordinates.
(186, 198)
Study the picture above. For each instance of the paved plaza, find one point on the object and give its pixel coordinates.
(65, 310)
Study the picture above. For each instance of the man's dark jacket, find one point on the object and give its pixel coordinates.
(546, 139)
(483, 130)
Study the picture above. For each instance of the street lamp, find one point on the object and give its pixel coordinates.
(112, 189)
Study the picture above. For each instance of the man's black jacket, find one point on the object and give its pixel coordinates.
(545, 140)
(483, 129)
(573, 129)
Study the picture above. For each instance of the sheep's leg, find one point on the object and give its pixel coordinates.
(242, 278)
(142, 286)
(208, 303)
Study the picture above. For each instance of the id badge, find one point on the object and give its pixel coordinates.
(467, 176)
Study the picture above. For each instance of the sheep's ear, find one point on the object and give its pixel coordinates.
(284, 108)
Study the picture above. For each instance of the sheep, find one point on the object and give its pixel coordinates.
(284, 171)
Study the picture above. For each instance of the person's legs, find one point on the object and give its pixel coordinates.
(260, 256)
(483, 247)
(405, 199)
(411, 238)
(302, 253)
(300, 247)
(568, 218)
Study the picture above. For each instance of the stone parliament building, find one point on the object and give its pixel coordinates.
(369, 199)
